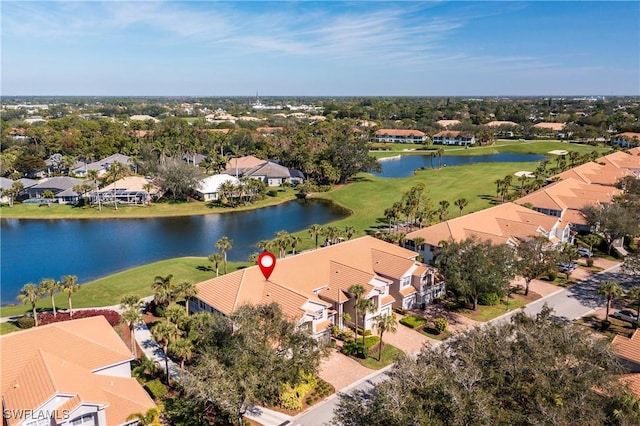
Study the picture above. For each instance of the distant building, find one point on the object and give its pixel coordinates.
(550, 130)
(454, 137)
(209, 188)
(447, 123)
(399, 136)
(626, 139)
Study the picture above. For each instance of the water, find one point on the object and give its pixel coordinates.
(406, 164)
(34, 249)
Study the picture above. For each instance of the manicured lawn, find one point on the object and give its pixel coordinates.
(389, 355)
(413, 321)
(137, 281)
(8, 327)
(163, 209)
(486, 313)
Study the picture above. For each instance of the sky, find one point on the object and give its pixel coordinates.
(327, 48)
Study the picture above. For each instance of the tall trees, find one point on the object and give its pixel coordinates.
(385, 322)
(163, 290)
(178, 178)
(315, 231)
(216, 258)
(69, 286)
(164, 332)
(610, 290)
(30, 294)
(514, 373)
(350, 156)
(613, 221)
(356, 291)
(247, 359)
(50, 286)
(224, 244)
(472, 267)
(461, 203)
(130, 315)
(535, 258)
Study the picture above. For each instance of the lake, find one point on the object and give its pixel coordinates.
(34, 249)
(406, 164)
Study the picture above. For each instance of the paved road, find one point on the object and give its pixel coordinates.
(569, 304)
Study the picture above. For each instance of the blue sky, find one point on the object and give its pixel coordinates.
(205, 48)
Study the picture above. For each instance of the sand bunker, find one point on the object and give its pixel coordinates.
(558, 152)
(524, 173)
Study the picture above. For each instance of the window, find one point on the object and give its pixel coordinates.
(84, 420)
(405, 281)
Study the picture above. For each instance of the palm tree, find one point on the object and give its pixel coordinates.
(349, 231)
(418, 242)
(224, 244)
(444, 209)
(634, 294)
(186, 290)
(356, 291)
(30, 293)
(149, 418)
(164, 332)
(131, 315)
(384, 323)
(216, 258)
(175, 315)
(610, 290)
(163, 290)
(365, 306)
(93, 175)
(461, 203)
(69, 286)
(315, 231)
(182, 349)
(50, 286)
(440, 152)
(592, 240)
(282, 241)
(294, 241)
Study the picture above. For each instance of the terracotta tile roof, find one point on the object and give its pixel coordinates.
(387, 300)
(222, 131)
(406, 291)
(569, 194)
(452, 134)
(573, 216)
(499, 224)
(550, 126)
(601, 174)
(634, 151)
(327, 272)
(269, 129)
(62, 359)
(389, 264)
(628, 136)
(622, 160)
(628, 348)
(632, 382)
(399, 132)
(246, 162)
(323, 325)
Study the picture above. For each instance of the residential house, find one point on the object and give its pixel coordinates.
(102, 166)
(269, 131)
(312, 287)
(194, 159)
(272, 174)
(599, 173)
(61, 186)
(448, 123)
(628, 351)
(209, 187)
(143, 117)
(503, 129)
(454, 137)
(550, 130)
(132, 190)
(5, 185)
(399, 136)
(506, 223)
(626, 139)
(69, 373)
(629, 160)
(566, 198)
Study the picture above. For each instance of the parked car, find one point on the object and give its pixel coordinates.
(585, 252)
(567, 266)
(624, 315)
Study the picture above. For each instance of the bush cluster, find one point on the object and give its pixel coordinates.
(440, 324)
(488, 299)
(413, 321)
(25, 322)
(322, 390)
(157, 389)
(111, 316)
(355, 348)
(339, 334)
(291, 396)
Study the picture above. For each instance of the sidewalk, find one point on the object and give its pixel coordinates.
(152, 351)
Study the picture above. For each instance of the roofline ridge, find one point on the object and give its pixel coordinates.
(235, 302)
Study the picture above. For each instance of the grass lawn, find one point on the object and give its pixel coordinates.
(389, 355)
(413, 321)
(109, 290)
(163, 209)
(617, 327)
(486, 313)
(8, 327)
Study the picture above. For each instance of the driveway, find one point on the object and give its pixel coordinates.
(341, 371)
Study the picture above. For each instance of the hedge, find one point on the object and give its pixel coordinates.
(414, 321)
(157, 389)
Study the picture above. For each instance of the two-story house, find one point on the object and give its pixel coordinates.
(399, 136)
(454, 137)
(312, 287)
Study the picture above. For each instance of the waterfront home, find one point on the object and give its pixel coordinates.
(600, 172)
(565, 199)
(312, 288)
(399, 136)
(454, 137)
(74, 372)
(61, 186)
(131, 190)
(208, 189)
(550, 130)
(506, 223)
(269, 172)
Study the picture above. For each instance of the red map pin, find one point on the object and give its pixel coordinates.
(266, 262)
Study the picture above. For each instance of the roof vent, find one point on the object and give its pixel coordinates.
(16, 386)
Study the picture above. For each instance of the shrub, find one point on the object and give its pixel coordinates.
(605, 324)
(635, 324)
(291, 397)
(401, 311)
(413, 321)
(272, 193)
(112, 317)
(553, 274)
(488, 299)
(589, 262)
(440, 324)
(355, 348)
(25, 322)
(157, 389)
(365, 332)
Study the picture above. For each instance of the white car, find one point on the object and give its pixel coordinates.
(625, 315)
(584, 252)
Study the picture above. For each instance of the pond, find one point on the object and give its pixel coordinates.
(406, 164)
(36, 249)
